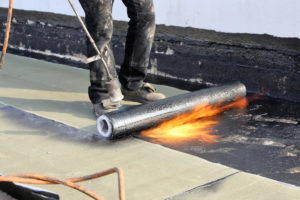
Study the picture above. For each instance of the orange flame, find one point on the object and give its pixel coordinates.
(196, 124)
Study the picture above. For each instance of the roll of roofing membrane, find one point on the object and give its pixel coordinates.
(137, 118)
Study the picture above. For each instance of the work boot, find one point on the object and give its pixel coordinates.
(105, 106)
(145, 94)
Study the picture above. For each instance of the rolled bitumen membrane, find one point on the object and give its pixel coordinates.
(133, 119)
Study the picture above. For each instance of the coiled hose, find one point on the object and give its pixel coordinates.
(44, 180)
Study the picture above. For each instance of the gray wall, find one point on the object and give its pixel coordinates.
(274, 17)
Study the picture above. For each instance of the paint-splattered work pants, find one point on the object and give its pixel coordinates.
(137, 49)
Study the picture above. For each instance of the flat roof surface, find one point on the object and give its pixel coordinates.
(47, 126)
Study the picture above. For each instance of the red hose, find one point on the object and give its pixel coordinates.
(43, 180)
(8, 25)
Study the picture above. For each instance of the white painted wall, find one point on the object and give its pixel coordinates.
(275, 17)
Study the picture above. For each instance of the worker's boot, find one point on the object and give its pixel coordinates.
(145, 94)
(105, 106)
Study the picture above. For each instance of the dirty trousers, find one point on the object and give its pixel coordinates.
(137, 48)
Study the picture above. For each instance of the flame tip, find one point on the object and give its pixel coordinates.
(197, 124)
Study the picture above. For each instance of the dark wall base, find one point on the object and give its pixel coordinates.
(186, 58)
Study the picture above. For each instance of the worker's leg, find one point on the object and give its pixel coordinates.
(100, 25)
(137, 52)
(139, 42)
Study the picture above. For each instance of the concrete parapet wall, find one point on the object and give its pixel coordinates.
(274, 17)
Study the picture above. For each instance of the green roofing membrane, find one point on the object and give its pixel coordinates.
(58, 94)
